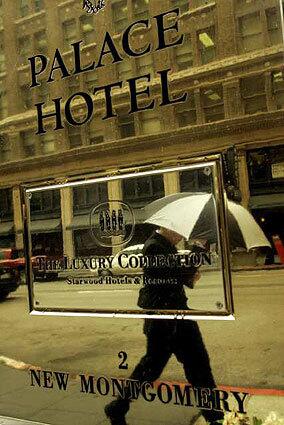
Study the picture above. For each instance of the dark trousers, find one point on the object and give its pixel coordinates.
(182, 338)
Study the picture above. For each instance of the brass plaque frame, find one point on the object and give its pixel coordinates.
(213, 161)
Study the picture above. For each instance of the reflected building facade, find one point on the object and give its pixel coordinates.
(230, 63)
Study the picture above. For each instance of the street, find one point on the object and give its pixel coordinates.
(245, 352)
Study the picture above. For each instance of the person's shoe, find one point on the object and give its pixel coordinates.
(115, 411)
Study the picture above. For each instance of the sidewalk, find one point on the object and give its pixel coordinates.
(52, 406)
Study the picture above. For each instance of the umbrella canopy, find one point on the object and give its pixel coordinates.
(193, 215)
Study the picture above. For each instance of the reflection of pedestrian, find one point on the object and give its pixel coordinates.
(164, 289)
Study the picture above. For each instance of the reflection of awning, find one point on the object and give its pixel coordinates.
(6, 227)
(267, 201)
(46, 226)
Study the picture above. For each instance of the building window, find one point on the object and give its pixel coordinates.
(3, 101)
(145, 65)
(96, 133)
(87, 28)
(4, 150)
(140, 9)
(73, 84)
(150, 122)
(126, 125)
(25, 49)
(274, 25)
(69, 33)
(186, 113)
(124, 69)
(278, 88)
(251, 32)
(40, 42)
(253, 94)
(120, 18)
(6, 202)
(24, 8)
(88, 196)
(207, 45)
(182, 4)
(74, 136)
(212, 102)
(29, 143)
(263, 176)
(45, 201)
(1, 15)
(38, 5)
(43, 92)
(200, 3)
(47, 142)
(91, 80)
(195, 181)
(184, 54)
(139, 190)
(2, 55)
(26, 97)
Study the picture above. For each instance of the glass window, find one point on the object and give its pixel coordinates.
(253, 94)
(69, 33)
(184, 54)
(200, 3)
(91, 80)
(119, 11)
(6, 203)
(43, 92)
(124, 69)
(140, 9)
(278, 88)
(186, 113)
(96, 131)
(274, 25)
(48, 142)
(45, 201)
(195, 181)
(260, 168)
(2, 55)
(150, 122)
(145, 65)
(1, 15)
(212, 102)
(25, 49)
(3, 101)
(24, 8)
(73, 84)
(143, 188)
(126, 125)
(89, 195)
(206, 44)
(74, 136)
(28, 140)
(38, 5)
(26, 97)
(40, 42)
(4, 152)
(182, 4)
(251, 32)
(87, 28)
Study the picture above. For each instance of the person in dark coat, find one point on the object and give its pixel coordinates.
(164, 290)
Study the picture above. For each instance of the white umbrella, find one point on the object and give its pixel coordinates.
(193, 215)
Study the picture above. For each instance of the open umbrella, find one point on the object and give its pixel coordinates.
(193, 215)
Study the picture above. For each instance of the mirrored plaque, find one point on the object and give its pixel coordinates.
(142, 243)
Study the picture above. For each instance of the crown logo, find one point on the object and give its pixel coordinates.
(111, 223)
(109, 219)
(93, 6)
